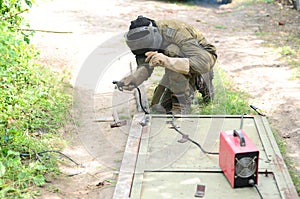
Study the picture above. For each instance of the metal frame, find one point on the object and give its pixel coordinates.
(132, 164)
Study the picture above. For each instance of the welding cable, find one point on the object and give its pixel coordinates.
(252, 183)
(261, 197)
(189, 139)
(121, 84)
(140, 99)
(54, 151)
(51, 151)
(242, 121)
(172, 122)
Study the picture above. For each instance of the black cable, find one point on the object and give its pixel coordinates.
(194, 142)
(242, 121)
(140, 99)
(172, 122)
(252, 183)
(261, 197)
(52, 151)
(189, 139)
(121, 84)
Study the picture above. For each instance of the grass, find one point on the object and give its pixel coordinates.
(220, 27)
(251, 2)
(284, 40)
(227, 100)
(288, 46)
(33, 105)
(288, 161)
(263, 34)
(296, 66)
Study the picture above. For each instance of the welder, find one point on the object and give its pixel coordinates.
(188, 59)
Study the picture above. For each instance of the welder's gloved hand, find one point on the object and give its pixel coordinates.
(179, 65)
(134, 80)
(128, 83)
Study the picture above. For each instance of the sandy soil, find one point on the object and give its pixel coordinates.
(83, 26)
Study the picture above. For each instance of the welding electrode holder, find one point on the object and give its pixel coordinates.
(257, 110)
(119, 85)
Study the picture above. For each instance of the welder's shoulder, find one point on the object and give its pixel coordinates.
(175, 24)
(174, 30)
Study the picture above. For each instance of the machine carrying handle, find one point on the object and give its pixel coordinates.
(241, 136)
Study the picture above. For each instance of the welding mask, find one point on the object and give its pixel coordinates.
(143, 39)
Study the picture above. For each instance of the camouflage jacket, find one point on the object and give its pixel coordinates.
(192, 44)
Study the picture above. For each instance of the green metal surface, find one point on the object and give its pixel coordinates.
(166, 168)
(171, 185)
(165, 153)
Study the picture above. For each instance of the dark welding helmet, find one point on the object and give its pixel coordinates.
(143, 38)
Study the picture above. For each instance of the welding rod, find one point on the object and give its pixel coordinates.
(257, 110)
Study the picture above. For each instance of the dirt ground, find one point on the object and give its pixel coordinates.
(70, 31)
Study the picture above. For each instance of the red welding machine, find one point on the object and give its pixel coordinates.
(238, 158)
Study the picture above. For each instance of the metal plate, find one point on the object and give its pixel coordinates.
(165, 168)
(163, 152)
(170, 185)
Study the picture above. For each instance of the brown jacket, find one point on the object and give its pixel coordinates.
(191, 44)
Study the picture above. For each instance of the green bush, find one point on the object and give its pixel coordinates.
(10, 15)
(33, 105)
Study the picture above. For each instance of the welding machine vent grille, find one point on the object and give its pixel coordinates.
(245, 167)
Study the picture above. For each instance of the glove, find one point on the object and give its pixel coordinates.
(128, 83)
(134, 80)
(179, 65)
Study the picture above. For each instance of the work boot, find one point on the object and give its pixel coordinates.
(205, 86)
(161, 101)
(180, 105)
(158, 109)
(182, 109)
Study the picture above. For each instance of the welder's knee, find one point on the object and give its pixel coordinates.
(178, 83)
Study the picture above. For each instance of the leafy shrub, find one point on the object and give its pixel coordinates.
(32, 107)
(10, 15)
